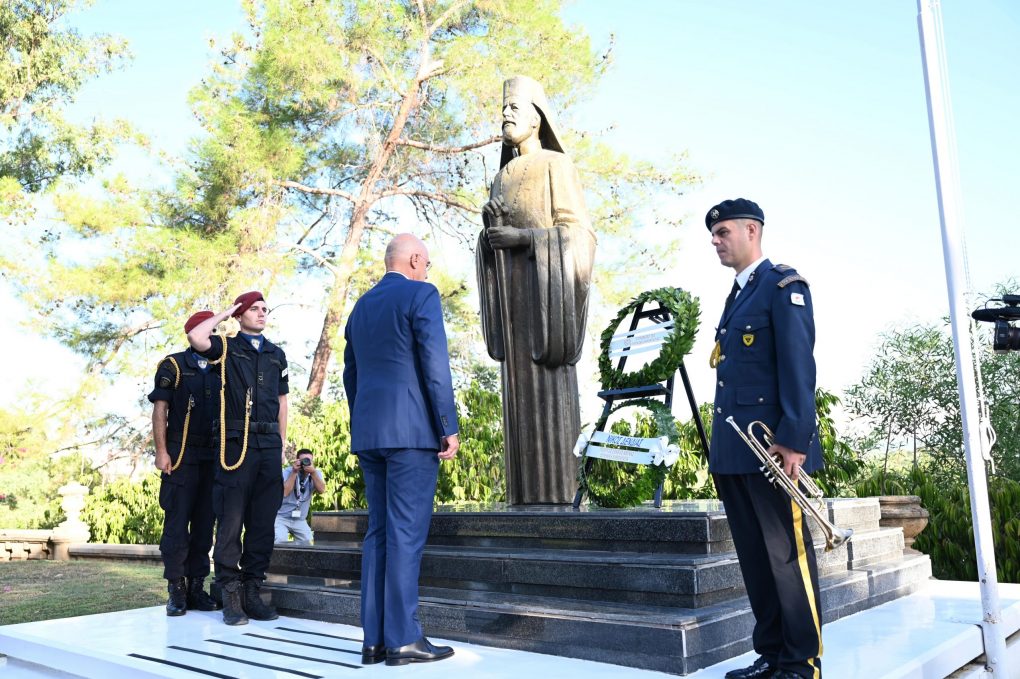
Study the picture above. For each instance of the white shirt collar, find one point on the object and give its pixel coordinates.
(398, 273)
(745, 275)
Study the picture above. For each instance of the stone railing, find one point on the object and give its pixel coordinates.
(18, 544)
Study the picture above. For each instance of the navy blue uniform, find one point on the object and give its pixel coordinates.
(248, 497)
(185, 495)
(766, 372)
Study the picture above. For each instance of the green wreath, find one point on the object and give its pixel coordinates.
(602, 481)
(685, 310)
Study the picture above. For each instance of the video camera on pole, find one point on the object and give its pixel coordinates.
(1006, 337)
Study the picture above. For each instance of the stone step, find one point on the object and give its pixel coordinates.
(684, 639)
(655, 578)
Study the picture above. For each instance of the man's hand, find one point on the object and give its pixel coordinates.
(163, 462)
(451, 444)
(792, 460)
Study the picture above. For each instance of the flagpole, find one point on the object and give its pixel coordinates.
(943, 149)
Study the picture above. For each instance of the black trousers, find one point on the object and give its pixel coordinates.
(186, 499)
(246, 499)
(777, 560)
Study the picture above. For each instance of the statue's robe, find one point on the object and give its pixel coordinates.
(537, 331)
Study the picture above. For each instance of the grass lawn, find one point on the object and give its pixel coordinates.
(41, 590)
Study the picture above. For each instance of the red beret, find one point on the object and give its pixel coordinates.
(246, 300)
(195, 319)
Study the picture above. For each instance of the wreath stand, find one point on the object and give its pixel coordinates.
(621, 346)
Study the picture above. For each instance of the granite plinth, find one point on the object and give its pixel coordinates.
(654, 589)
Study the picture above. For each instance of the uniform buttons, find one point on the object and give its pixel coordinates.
(722, 358)
(761, 399)
(723, 331)
(721, 383)
(747, 328)
(719, 410)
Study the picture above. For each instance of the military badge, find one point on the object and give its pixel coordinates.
(714, 214)
(255, 343)
(748, 339)
(797, 298)
(165, 382)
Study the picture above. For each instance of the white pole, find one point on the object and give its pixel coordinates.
(943, 149)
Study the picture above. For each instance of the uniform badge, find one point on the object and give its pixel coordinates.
(748, 339)
(255, 343)
(165, 382)
(284, 373)
(714, 214)
(203, 364)
(797, 298)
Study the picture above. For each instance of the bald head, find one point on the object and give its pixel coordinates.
(407, 254)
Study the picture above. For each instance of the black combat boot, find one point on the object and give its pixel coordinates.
(198, 600)
(177, 603)
(253, 605)
(233, 612)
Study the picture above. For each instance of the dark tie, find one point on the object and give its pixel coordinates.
(732, 296)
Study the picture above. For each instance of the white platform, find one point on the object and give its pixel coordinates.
(928, 635)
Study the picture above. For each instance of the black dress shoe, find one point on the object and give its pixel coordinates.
(786, 674)
(422, 650)
(371, 655)
(761, 669)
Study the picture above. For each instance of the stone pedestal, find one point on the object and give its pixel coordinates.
(72, 529)
(906, 512)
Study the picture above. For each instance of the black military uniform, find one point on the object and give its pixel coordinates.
(249, 496)
(191, 387)
(765, 371)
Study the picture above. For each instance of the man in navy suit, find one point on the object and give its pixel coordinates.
(403, 422)
(766, 371)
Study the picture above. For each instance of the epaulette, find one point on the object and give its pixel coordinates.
(177, 369)
(792, 279)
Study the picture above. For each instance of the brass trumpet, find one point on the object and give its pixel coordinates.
(773, 469)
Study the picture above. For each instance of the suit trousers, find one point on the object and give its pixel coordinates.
(185, 496)
(400, 485)
(777, 560)
(247, 498)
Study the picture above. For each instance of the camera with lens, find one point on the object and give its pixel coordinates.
(305, 462)
(1006, 337)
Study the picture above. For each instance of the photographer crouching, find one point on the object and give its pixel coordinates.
(300, 480)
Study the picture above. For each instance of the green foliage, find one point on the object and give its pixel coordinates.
(477, 473)
(125, 512)
(843, 465)
(949, 537)
(43, 65)
(910, 399)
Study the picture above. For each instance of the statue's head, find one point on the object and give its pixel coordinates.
(526, 112)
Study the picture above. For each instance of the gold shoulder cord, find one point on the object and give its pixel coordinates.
(716, 357)
(187, 415)
(223, 416)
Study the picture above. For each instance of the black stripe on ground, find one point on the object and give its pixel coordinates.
(181, 665)
(301, 643)
(283, 653)
(246, 662)
(318, 634)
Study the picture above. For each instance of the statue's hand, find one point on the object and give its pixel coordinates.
(496, 212)
(502, 237)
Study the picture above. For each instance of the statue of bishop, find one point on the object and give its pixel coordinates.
(534, 261)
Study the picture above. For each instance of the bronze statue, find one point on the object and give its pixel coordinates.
(534, 260)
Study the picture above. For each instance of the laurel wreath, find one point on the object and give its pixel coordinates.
(615, 484)
(612, 484)
(686, 312)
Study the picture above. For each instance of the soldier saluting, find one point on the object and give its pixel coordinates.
(248, 488)
(185, 404)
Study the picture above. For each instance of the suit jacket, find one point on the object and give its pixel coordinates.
(767, 372)
(397, 368)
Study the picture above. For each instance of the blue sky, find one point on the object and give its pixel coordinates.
(815, 110)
